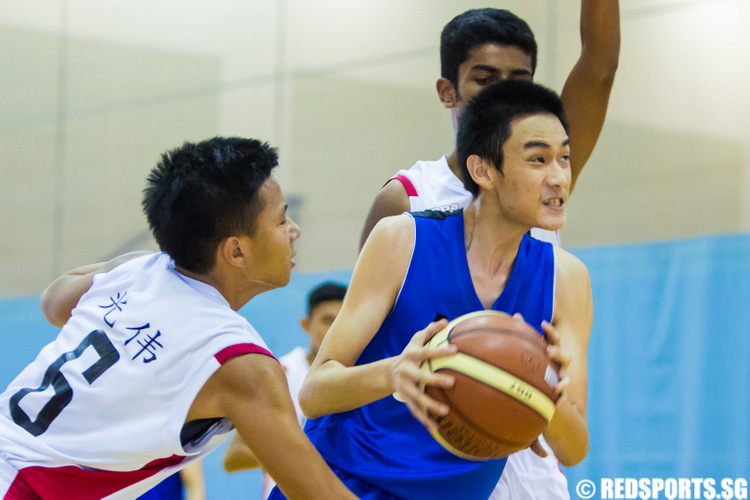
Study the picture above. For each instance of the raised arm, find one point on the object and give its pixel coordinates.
(61, 296)
(567, 432)
(390, 200)
(587, 89)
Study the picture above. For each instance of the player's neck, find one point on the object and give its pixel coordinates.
(488, 234)
(311, 357)
(453, 164)
(229, 288)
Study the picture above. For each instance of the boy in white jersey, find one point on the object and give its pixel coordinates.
(323, 305)
(478, 48)
(153, 365)
(483, 46)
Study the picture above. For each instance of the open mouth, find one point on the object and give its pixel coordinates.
(555, 202)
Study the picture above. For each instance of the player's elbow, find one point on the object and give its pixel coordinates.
(312, 401)
(573, 455)
(51, 310)
(230, 464)
(236, 461)
(307, 402)
(598, 71)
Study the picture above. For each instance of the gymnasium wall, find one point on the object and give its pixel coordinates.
(92, 92)
(668, 359)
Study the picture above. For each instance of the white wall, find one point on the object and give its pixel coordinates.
(91, 92)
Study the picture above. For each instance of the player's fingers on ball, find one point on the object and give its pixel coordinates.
(550, 333)
(431, 407)
(560, 389)
(408, 392)
(440, 352)
(538, 449)
(424, 419)
(560, 398)
(443, 380)
(558, 356)
(433, 329)
(419, 338)
(439, 324)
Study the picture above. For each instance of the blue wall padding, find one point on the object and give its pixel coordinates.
(669, 359)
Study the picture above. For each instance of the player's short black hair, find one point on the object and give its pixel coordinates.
(323, 293)
(200, 193)
(485, 125)
(477, 27)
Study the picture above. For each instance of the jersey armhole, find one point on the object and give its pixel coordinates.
(236, 349)
(410, 189)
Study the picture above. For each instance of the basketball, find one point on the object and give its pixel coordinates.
(503, 396)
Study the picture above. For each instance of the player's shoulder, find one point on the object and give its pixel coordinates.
(394, 225)
(570, 267)
(391, 235)
(422, 170)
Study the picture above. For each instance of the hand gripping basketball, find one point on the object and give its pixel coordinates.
(505, 385)
(409, 379)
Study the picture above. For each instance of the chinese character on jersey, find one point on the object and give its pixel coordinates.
(115, 304)
(147, 342)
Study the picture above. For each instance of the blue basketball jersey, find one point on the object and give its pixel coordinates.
(381, 443)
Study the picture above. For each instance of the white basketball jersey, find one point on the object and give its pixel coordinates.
(431, 185)
(100, 412)
(528, 476)
(296, 368)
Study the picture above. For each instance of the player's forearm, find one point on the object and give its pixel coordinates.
(567, 434)
(600, 36)
(192, 479)
(238, 456)
(284, 450)
(333, 388)
(60, 298)
(318, 481)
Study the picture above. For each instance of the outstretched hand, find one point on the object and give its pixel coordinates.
(409, 378)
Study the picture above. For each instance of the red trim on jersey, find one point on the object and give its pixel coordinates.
(74, 483)
(410, 189)
(233, 350)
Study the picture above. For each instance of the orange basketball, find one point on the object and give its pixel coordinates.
(503, 397)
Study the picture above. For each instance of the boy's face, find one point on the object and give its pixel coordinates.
(533, 188)
(319, 320)
(271, 246)
(488, 64)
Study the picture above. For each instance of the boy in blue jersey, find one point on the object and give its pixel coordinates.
(514, 152)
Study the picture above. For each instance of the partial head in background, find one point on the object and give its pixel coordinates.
(323, 305)
(516, 129)
(479, 48)
(201, 193)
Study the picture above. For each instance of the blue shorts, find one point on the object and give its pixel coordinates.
(363, 489)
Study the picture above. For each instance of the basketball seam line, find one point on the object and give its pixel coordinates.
(499, 379)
